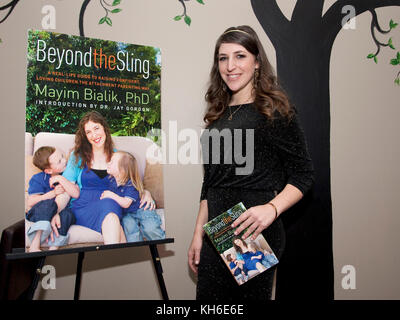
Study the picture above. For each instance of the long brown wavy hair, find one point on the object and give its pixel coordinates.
(83, 148)
(129, 170)
(238, 248)
(269, 96)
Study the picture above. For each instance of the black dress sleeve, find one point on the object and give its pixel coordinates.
(289, 141)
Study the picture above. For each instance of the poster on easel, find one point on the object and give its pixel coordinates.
(91, 106)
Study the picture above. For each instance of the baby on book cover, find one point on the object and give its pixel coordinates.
(244, 258)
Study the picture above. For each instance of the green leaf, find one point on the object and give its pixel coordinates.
(108, 21)
(102, 20)
(398, 55)
(370, 56)
(375, 59)
(392, 24)
(397, 81)
(116, 2)
(390, 44)
(116, 10)
(177, 18)
(394, 62)
(188, 20)
(200, 1)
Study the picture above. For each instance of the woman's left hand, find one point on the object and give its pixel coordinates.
(148, 200)
(256, 219)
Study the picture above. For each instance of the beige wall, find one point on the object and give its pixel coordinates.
(364, 146)
(365, 153)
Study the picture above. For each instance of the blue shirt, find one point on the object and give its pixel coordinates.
(258, 253)
(73, 172)
(238, 271)
(39, 184)
(126, 191)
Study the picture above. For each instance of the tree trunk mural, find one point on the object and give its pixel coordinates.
(303, 47)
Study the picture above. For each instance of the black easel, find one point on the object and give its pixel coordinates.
(19, 253)
(78, 277)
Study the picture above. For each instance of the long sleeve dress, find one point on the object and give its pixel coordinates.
(256, 159)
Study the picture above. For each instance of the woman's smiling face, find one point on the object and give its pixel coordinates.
(238, 242)
(95, 134)
(236, 66)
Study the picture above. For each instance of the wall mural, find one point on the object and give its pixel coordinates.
(8, 8)
(184, 15)
(303, 47)
(107, 7)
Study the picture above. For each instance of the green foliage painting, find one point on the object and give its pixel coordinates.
(68, 76)
(109, 9)
(374, 56)
(184, 15)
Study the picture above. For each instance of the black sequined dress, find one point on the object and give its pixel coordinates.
(278, 155)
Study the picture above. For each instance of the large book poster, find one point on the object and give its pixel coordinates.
(91, 106)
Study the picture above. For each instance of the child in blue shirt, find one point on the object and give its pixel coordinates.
(267, 258)
(42, 194)
(126, 188)
(237, 268)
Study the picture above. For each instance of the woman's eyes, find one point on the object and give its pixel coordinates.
(94, 129)
(239, 56)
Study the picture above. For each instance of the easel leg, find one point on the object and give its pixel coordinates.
(35, 281)
(159, 270)
(81, 255)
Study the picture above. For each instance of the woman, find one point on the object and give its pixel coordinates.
(252, 261)
(87, 171)
(244, 96)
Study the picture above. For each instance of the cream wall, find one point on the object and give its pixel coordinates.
(364, 170)
(365, 153)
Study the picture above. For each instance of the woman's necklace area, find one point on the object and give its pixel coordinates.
(100, 163)
(230, 111)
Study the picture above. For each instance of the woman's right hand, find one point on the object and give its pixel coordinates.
(197, 241)
(194, 252)
(147, 201)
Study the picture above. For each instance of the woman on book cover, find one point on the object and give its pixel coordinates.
(252, 259)
(87, 171)
(249, 109)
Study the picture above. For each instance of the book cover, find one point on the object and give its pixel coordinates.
(68, 77)
(245, 259)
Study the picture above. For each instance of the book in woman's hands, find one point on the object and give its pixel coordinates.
(244, 258)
